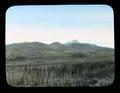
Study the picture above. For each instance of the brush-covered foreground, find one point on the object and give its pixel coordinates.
(78, 74)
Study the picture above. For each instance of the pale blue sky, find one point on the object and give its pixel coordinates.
(62, 23)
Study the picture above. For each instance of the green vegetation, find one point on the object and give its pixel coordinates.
(78, 74)
(40, 65)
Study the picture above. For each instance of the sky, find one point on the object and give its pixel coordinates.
(62, 23)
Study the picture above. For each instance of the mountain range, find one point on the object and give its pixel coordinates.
(55, 50)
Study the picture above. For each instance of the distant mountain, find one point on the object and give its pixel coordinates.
(32, 44)
(70, 44)
(57, 45)
(26, 50)
(87, 46)
(38, 50)
(73, 41)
